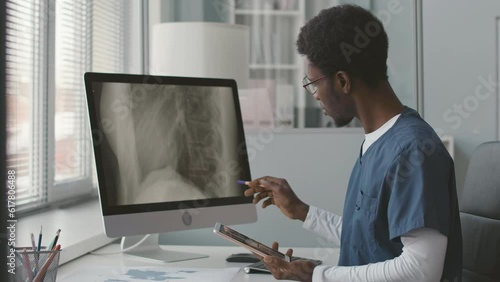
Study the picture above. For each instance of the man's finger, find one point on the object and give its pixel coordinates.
(275, 262)
(275, 246)
(259, 197)
(256, 182)
(253, 190)
(289, 252)
(268, 202)
(271, 266)
(265, 183)
(260, 189)
(249, 192)
(274, 180)
(269, 185)
(253, 183)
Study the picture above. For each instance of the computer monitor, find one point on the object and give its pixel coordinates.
(168, 153)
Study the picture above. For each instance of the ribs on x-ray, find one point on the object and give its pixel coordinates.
(167, 140)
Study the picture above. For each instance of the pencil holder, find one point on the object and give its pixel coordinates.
(36, 266)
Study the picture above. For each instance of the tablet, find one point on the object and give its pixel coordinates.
(249, 243)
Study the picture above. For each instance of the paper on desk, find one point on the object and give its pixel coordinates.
(147, 273)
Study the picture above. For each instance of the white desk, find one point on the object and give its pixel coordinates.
(216, 259)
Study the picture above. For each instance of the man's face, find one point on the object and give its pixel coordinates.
(332, 97)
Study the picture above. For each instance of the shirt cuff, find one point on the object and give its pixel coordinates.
(312, 214)
(318, 273)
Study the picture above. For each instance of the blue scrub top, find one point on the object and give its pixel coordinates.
(404, 181)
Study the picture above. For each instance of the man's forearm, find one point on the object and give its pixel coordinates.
(301, 212)
(324, 223)
(422, 260)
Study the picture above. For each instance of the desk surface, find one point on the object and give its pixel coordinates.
(216, 259)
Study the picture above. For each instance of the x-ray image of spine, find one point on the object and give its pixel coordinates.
(171, 142)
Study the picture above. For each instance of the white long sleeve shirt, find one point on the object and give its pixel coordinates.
(422, 259)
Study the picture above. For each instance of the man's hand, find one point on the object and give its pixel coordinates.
(299, 270)
(276, 191)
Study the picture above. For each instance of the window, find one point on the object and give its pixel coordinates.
(50, 45)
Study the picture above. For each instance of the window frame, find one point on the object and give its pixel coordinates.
(77, 189)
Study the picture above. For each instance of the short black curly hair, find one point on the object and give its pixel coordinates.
(346, 38)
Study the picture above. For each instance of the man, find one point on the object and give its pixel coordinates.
(400, 220)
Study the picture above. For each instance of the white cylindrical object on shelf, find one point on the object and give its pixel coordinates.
(200, 49)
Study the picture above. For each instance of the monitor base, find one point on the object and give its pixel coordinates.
(151, 250)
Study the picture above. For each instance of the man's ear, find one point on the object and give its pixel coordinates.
(344, 81)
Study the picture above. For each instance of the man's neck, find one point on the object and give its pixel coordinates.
(375, 106)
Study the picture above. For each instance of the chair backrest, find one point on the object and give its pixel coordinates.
(480, 215)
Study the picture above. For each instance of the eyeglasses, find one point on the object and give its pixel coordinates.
(310, 86)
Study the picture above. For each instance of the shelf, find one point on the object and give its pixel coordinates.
(293, 13)
(274, 66)
(273, 59)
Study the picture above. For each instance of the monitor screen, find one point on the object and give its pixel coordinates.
(168, 152)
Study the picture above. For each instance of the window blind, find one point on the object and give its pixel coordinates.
(73, 36)
(108, 36)
(26, 38)
(50, 45)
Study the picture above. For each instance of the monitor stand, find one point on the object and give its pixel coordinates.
(150, 249)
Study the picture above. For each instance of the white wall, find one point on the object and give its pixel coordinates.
(459, 50)
(399, 23)
(316, 164)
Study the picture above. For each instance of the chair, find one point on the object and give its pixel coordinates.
(480, 215)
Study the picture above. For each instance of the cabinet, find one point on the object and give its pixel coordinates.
(275, 66)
